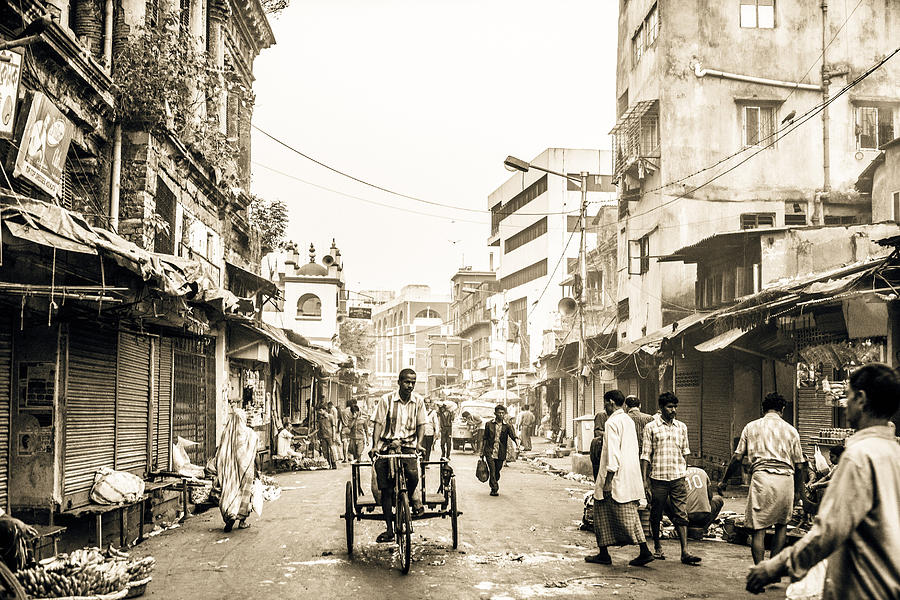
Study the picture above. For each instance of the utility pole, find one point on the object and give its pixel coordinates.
(580, 291)
(826, 137)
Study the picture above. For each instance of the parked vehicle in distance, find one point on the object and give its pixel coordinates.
(461, 433)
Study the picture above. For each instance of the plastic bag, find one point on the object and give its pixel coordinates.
(810, 587)
(116, 487)
(512, 451)
(821, 463)
(481, 471)
(376, 493)
(256, 496)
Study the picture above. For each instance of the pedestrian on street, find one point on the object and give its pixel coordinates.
(476, 430)
(772, 446)
(858, 524)
(703, 506)
(335, 433)
(617, 488)
(633, 408)
(494, 445)
(325, 431)
(432, 428)
(399, 429)
(446, 412)
(596, 450)
(526, 422)
(357, 427)
(345, 416)
(236, 467)
(664, 467)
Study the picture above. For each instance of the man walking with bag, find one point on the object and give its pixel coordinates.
(494, 444)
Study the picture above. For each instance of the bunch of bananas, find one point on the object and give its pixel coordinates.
(84, 572)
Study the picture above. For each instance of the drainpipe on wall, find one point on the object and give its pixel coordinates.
(699, 71)
(826, 141)
(115, 177)
(108, 35)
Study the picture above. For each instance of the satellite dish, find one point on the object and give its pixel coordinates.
(567, 307)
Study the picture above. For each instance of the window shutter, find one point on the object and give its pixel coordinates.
(634, 257)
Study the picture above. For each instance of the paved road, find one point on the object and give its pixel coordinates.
(523, 544)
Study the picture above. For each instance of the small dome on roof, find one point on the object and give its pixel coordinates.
(312, 267)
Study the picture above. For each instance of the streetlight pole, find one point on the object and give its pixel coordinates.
(517, 164)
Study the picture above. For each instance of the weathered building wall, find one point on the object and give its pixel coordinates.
(885, 185)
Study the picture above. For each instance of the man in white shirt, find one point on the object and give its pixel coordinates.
(618, 488)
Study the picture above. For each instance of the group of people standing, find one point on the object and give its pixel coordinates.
(857, 527)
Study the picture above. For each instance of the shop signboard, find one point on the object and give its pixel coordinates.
(360, 312)
(44, 145)
(10, 77)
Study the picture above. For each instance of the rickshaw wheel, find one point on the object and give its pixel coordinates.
(9, 583)
(404, 532)
(454, 513)
(349, 515)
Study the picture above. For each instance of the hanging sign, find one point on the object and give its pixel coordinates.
(44, 145)
(360, 312)
(10, 76)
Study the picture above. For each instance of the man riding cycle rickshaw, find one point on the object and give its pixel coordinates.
(399, 429)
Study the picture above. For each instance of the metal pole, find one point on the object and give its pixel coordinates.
(582, 270)
(826, 138)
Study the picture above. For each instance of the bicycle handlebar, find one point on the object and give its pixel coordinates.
(378, 456)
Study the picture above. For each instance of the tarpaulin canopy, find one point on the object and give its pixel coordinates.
(722, 340)
(323, 359)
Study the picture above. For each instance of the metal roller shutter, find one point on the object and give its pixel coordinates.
(718, 379)
(133, 403)
(90, 426)
(569, 406)
(162, 429)
(688, 377)
(5, 396)
(812, 415)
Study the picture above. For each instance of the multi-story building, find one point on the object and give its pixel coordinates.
(311, 302)
(470, 316)
(401, 328)
(443, 364)
(719, 129)
(535, 224)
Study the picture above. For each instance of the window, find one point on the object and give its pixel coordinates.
(794, 213)
(758, 125)
(637, 46)
(622, 310)
(309, 307)
(532, 232)
(895, 202)
(651, 26)
(412, 361)
(428, 313)
(757, 220)
(151, 20)
(639, 256)
(185, 17)
(842, 220)
(649, 135)
(622, 104)
(448, 362)
(874, 126)
(523, 276)
(164, 241)
(521, 199)
(758, 14)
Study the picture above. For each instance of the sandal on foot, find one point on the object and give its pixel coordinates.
(598, 559)
(641, 560)
(384, 537)
(659, 555)
(690, 559)
(243, 525)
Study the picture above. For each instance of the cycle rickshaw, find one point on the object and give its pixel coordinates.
(361, 506)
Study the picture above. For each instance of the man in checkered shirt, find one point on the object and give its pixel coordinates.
(663, 466)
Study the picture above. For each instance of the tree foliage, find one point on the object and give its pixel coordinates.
(355, 340)
(270, 217)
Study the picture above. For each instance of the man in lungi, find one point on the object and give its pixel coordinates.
(618, 488)
(664, 468)
(772, 446)
(526, 422)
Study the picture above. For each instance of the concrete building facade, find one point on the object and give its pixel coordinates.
(534, 225)
(696, 83)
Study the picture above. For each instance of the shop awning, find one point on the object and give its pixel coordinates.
(721, 341)
(245, 283)
(320, 358)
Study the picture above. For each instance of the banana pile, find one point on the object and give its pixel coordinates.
(84, 572)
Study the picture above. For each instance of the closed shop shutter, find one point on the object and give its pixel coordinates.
(162, 427)
(812, 416)
(5, 401)
(688, 377)
(569, 410)
(194, 405)
(718, 379)
(90, 420)
(133, 395)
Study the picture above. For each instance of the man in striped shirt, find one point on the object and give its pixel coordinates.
(664, 467)
(399, 429)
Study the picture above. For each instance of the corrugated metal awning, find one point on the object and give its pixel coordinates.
(633, 114)
(722, 340)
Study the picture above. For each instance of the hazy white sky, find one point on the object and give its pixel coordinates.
(424, 97)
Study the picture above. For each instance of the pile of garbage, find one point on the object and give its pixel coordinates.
(271, 491)
(85, 572)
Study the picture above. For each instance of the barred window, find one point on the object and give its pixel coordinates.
(530, 233)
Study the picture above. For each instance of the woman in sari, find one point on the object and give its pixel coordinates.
(236, 468)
